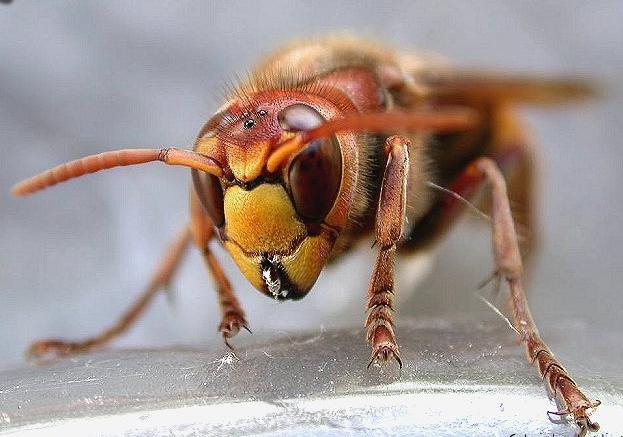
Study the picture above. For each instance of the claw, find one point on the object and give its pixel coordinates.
(582, 421)
(227, 343)
(384, 352)
(230, 326)
(586, 426)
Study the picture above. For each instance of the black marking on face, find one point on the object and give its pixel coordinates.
(278, 285)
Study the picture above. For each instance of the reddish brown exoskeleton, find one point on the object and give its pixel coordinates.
(334, 140)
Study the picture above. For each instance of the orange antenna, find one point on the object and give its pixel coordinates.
(388, 122)
(116, 158)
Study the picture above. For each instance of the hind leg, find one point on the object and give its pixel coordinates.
(161, 278)
(509, 267)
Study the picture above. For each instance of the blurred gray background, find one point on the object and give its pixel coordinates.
(80, 77)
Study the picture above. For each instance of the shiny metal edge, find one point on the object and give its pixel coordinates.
(457, 380)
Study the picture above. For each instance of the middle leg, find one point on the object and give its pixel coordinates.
(161, 278)
(389, 227)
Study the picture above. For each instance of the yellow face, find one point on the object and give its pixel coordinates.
(270, 244)
(279, 226)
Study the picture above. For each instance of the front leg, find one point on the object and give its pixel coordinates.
(203, 231)
(389, 226)
(233, 315)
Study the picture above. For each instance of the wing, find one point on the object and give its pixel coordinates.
(483, 86)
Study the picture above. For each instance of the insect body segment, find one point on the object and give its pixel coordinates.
(337, 140)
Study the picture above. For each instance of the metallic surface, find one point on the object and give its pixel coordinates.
(458, 379)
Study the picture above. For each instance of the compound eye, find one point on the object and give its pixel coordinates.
(314, 179)
(299, 117)
(210, 194)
